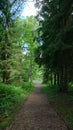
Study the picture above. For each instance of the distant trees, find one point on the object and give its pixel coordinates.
(30, 26)
(56, 21)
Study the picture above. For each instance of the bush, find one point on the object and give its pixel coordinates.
(27, 86)
(11, 95)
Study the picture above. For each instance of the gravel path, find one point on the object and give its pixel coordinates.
(37, 114)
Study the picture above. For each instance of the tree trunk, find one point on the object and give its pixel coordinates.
(55, 76)
(58, 78)
(63, 80)
(65, 88)
(51, 78)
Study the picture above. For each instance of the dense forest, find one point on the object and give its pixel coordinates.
(56, 41)
(35, 48)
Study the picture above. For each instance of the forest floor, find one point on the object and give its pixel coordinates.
(37, 114)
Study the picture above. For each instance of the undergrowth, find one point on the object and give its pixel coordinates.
(11, 97)
(62, 102)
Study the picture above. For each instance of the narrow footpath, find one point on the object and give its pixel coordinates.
(37, 114)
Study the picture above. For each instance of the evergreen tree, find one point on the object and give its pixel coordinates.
(55, 18)
(8, 12)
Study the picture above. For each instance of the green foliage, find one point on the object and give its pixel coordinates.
(17, 57)
(22, 63)
(11, 97)
(27, 86)
(62, 102)
(9, 10)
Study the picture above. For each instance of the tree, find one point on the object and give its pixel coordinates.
(56, 20)
(8, 12)
(30, 27)
(22, 63)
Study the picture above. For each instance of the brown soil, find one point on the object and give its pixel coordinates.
(37, 114)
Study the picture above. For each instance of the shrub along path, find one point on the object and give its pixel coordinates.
(37, 114)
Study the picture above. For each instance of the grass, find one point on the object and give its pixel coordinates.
(11, 98)
(62, 102)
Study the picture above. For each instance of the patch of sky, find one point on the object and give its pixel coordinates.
(29, 9)
(25, 48)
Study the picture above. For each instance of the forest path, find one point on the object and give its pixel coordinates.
(37, 114)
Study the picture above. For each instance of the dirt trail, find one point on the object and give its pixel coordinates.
(37, 114)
